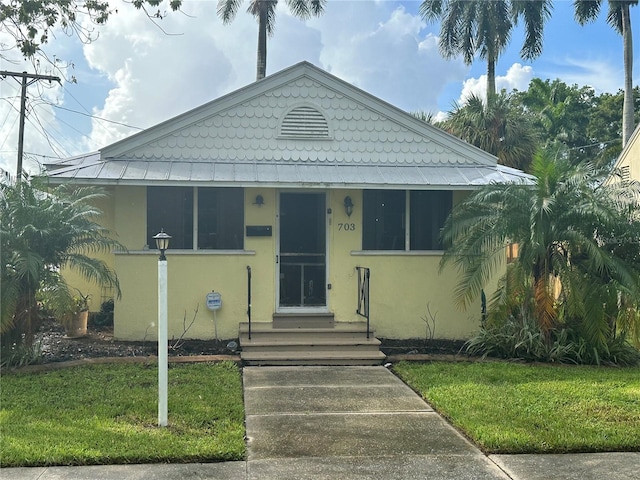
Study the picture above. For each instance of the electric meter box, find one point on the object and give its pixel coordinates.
(214, 301)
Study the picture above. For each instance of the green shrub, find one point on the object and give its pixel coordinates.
(20, 354)
(519, 337)
(104, 318)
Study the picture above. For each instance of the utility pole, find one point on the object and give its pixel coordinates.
(26, 80)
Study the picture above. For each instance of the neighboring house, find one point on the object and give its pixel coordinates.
(303, 177)
(628, 163)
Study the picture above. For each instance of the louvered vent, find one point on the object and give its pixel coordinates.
(304, 122)
(625, 174)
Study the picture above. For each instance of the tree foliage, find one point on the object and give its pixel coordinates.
(583, 126)
(483, 27)
(571, 120)
(559, 112)
(569, 270)
(32, 22)
(495, 127)
(42, 233)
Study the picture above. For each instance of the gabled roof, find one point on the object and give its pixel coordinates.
(298, 127)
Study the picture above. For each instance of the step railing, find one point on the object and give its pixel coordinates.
(364, 273)
(249, 298)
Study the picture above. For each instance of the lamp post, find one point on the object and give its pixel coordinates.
(162, 242)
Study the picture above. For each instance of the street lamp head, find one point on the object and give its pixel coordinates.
(162, 242)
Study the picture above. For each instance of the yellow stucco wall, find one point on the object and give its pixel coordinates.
(402, 284)
(630, 156)
(96, 293)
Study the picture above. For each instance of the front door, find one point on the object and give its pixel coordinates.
(302, 251)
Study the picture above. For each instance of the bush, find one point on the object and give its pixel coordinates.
(519, 337)
(104, 318)
(20, 354)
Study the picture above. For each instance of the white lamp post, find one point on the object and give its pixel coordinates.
(162, 242)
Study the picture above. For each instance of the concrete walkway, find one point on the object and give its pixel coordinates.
(351, 423)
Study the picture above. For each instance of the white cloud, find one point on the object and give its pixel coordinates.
(386, 51)
(517, 77)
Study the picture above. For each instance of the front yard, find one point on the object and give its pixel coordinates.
(107, 414)
(524, 408)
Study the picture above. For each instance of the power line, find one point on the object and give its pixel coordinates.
(6, 138)
(7, 117)
(91, 116)
(26, 80)
(49, 140)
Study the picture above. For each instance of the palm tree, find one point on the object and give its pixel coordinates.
(470, 27)
(619, 17)
(265, 13)
(495, 127)
(563, 224)
(42, 234)
(560, 114)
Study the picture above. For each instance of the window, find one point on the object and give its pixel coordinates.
(212, 216)
(220, 218)
(384, 219)
(429, 211)
(171, 209)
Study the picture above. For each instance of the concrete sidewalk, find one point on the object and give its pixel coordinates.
(351, 423)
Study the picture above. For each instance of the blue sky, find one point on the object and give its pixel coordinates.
(137, 76)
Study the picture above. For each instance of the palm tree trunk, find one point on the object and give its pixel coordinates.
(544, 308)
(627, 107)
(262, 41)
(491, 79)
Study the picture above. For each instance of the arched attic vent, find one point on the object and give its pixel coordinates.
(304, 121)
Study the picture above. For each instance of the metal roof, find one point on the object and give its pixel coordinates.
(93, 170)
(238, 140)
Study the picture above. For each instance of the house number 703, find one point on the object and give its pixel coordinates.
(347, 226)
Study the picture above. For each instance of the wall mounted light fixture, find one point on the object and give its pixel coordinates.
(259, 200)
(348, 205)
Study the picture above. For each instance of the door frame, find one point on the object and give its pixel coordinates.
(302, 309)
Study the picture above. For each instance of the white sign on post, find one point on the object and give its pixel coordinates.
(214, 301)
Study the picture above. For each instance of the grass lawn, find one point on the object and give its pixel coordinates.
(515, 408)
(108, 414)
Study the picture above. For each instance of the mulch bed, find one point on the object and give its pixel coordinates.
(99, 346)
(99, 343)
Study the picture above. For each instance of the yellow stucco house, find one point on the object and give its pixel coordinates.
(628, 163)
(301, 177)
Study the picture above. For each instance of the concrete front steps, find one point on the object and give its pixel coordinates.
(283, 343)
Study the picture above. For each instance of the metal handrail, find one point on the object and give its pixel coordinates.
(249, 298)
(364, 274)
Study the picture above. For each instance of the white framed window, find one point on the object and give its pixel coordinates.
(385, 214)
(198, 218)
